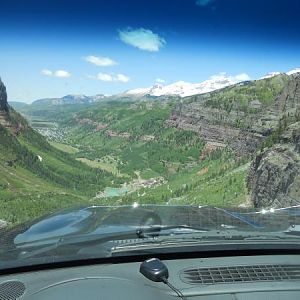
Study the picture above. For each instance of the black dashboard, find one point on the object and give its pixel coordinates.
(235, 278)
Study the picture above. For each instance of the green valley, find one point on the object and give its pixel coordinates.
(169, 150)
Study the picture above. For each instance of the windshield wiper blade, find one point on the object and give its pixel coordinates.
(220, 237)
(233, 234)
(88, 240)
(140, 233)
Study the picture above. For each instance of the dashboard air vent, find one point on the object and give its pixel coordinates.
(11, 290)
(234, 274)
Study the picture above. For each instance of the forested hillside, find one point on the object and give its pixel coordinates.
(35, 177)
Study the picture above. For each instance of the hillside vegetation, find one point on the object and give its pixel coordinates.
(37, 178)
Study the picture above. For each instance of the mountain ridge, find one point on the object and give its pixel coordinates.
(69, 99)
(214, 83)
(180, 88)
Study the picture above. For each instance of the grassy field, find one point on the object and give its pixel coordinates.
(64, 147)
(106, 163)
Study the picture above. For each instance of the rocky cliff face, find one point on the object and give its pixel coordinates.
(242, 116)
(274, 176)
(9, 118)
(3, 97)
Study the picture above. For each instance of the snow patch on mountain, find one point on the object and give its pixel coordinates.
(273, 74)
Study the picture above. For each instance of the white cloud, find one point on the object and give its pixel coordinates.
(46, 72)
(100, 61)
(110, 77)
(203, 2)
(160, 80)
(143, 39)
(61, 73)
(104, 77)
(122, 78)
(58, 73)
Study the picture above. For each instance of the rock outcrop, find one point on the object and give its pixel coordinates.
(274, 176)
(3, 97)
(9, 118)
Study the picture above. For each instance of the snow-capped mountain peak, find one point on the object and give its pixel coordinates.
(297, 70)
(270, 75)
(183, 89)
(139, 91)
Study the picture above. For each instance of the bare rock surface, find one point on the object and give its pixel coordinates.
(3, 97)
(274, 176)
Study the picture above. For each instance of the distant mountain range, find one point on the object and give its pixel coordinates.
(179, 88)
(69, 99)
(184, 89)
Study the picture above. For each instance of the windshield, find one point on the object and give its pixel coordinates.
(112, 231)
(129, 128)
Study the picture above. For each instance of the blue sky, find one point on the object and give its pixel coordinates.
(51, 48)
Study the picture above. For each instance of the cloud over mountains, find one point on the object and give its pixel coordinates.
(143, 39)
